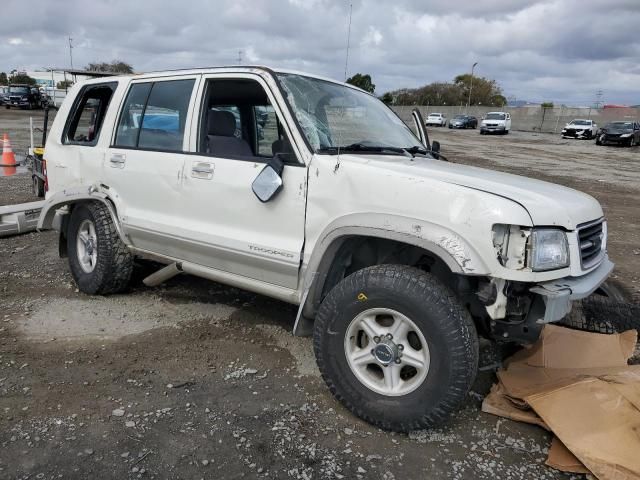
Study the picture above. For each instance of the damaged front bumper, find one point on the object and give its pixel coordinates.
(558, 294)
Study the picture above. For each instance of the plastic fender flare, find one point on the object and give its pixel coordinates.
(74, 195)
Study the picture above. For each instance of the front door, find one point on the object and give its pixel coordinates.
(238, 130)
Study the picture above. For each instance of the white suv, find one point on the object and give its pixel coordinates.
(315, 193)
(496, 122)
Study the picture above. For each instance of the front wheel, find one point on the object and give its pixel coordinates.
(396, 347)
(100, 262)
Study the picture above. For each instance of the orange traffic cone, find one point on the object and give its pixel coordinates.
(8, 157)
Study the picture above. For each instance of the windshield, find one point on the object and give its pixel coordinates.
(621, 125)
(495, 116)
(23, 90)
(460, 117)
(333, 115)
(581, 122)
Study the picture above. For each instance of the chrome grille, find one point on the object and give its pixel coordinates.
(591, 240)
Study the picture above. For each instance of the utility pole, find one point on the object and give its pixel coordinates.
(471, 86)
(599, 94)
(71, 51)
(239, 57)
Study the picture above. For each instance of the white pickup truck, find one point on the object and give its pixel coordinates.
(314, 192)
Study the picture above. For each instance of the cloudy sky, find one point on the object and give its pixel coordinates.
(558, 50)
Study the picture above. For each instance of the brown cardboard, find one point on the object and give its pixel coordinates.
(597, 423)
(498, 403)
(562, 459)
(560, 347)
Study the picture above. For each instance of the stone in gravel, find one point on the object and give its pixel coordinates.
(348, 431)
(118, 412)
(88, 451)
(124, 455)
(361, 470)
(130, 424)
(205, 462)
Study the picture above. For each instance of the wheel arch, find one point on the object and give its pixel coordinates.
(56, 212)
(449, 253)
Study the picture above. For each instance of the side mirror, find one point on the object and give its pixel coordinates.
(269, 181)
(435, 149)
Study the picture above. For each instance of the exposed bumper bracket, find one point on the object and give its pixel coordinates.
(558, 294)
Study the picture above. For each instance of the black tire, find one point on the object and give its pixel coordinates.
(604, 315)
(447, 327)
(114, 264)
(38, 187)
(598, 142)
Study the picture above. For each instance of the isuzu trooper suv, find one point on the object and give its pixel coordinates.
(314, 192)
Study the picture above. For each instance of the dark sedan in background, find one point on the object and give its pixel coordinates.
(463, 121)
(619, 133)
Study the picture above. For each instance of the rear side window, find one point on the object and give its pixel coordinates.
(85, 122)
(154, 115)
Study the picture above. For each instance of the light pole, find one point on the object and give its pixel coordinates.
(471, 86)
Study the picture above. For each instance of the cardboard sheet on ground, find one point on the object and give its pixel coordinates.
(597, 423)
(562, 459)
(580, 387)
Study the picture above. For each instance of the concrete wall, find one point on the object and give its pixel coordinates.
(531, 118)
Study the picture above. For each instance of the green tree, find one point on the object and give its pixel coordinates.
(362, 81)
(483, 90)
(3, 79)
(387, 98)
(64, 84)
(546, 104)
(22, 78)
(115, 66)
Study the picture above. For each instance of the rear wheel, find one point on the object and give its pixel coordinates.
(100, 262)
(396, 347)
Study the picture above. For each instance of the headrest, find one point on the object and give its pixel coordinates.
(221, 123)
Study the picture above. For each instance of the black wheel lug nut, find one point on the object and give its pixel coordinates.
(389, 336)
(398, 360)
(376, 339)
(400, 347)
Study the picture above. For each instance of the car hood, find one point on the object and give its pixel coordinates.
(548, 204)
(488, 120)
(617, 131)
(577, 127)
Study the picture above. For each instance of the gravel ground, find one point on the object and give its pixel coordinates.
(198, 380)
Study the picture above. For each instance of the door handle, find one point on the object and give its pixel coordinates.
(117, 160)
(203, 170)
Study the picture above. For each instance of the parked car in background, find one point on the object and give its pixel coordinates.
(4, 95)
(496, 122)
(24, 96)
(619, 133)
(580, 128)
(436, 119)
(463, 121)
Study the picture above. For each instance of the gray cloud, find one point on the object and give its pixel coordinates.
(560, 50)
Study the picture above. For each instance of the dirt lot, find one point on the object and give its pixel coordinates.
(197, 380)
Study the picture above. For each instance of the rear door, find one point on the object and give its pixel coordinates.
(144, 166)
(238, 130)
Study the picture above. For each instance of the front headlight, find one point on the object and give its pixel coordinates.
(626, 135)
(549, 249)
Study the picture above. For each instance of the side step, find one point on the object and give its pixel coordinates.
(19, 218)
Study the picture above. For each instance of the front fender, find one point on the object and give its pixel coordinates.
(70, 196)
(456, 252)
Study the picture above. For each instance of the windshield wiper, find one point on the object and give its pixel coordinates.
(361, 147)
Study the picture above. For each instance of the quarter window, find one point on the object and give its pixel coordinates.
(86, 121)
(154, 115)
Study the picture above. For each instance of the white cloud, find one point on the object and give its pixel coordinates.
(561, 50)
